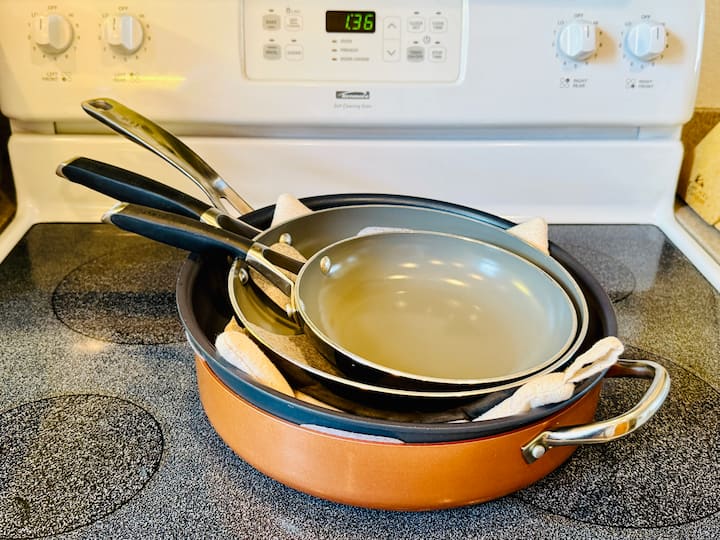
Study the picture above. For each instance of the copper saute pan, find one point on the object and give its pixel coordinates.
(385, 464)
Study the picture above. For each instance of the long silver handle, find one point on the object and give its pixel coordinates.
(148, 134)
(614, 428)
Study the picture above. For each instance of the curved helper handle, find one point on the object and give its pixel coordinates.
(148, 134)
(614, 428)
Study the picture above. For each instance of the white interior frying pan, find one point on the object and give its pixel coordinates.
(277, 337)
(426, 306)
(312, 232)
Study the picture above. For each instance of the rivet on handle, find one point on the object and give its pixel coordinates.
(325, 265)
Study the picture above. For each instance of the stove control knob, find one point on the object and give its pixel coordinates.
(124, 33)
(646, 41)
(52, 33)
(578, 40)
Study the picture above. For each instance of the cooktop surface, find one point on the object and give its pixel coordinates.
(102, 433)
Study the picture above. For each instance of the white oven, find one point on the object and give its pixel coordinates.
(566, 109)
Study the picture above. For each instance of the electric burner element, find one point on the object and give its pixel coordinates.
(68, 461)
(665, 474)
(126, 296)
(614, 276)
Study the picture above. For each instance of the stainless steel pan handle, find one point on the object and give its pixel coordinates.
(614, 428)
(148, 134)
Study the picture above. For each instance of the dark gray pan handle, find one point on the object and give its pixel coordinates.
(128, 186)
(148, 134)
(175, 230)
(186, 233)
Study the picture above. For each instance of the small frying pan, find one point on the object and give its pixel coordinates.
(494, 314)
(353, 395)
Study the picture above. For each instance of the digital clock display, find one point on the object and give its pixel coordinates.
(355, 22)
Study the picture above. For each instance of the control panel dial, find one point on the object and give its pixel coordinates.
(123, 33)
(52, 33)
(646, 40)
(578, 40)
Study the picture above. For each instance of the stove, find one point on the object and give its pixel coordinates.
(567, 110)
(102, 431)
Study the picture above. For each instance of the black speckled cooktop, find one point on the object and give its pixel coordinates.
(102, 434)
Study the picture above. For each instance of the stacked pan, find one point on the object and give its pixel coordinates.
(415, 331)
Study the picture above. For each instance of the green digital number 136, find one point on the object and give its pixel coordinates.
(356, 22)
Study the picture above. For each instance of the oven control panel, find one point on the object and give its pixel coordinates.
(456, 64)
(403, 40)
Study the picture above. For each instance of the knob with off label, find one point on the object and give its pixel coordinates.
(52, 33)
(578, 40)
(646, 41)
(123, 33)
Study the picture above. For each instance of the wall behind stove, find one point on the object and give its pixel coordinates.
(707, 106)
(709, 91)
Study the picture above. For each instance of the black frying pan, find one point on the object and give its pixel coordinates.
(426, 306)
(205, 309)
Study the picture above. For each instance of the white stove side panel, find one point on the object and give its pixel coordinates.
(562, 181)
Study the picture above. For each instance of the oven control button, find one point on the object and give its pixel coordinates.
(124, 33)
(52, 33)
(578, 40)
(272, 22)
(646, 41)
